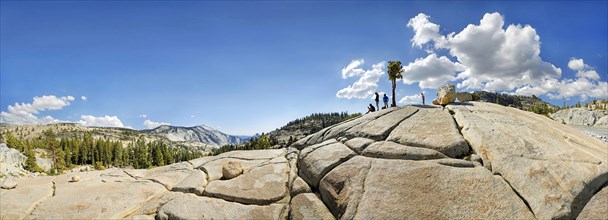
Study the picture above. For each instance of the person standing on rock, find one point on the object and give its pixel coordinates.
(422, 94)
(385, 99)
(377, 100)
(370, 108)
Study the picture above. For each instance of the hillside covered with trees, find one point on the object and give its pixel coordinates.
(84, 149)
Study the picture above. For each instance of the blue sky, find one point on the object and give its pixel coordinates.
(248, 67)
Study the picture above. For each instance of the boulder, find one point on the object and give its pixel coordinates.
(189, 206)
(231, 169)
(554, 167)
(8, 183)
(308, 206)
(75, 179)
(261, 186)
(597, 207)
(314, 165)
(445, 95)
(433, 129)
(464, 96)
(195, 183)
(371, 188)
(391, 150)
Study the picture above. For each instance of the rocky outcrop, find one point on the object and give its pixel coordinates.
(582, 116)
(11, 161)
(445, 95)
(553, 167)
(470, 161)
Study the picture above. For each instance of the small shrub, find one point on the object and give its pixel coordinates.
(99, 166)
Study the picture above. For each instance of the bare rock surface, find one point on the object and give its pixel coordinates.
(391, 150)
(308, 206)
(299, 186)
(464, 96)
(108, 194)
(431, 128)
(358, 144)
(262, 185)
(555, 168)
(370, 188)
(379, 128)
(168, 176)
(18, 203)
(314, 165)
(582, 116)
(195, 183)
(189, 206)
(11, 161)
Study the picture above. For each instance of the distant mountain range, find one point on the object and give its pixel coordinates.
(201, 133)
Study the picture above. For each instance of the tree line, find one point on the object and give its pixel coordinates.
(67, 152)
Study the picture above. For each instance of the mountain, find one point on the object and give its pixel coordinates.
(201, 133)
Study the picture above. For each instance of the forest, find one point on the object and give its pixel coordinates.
(67, 152)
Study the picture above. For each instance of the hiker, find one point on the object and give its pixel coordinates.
(422, 94)
(370, 108)
(377, 100)
(385, 99)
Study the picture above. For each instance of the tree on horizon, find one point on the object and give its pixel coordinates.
(394, 73)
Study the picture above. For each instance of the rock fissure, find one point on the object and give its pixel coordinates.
(459, 128)
(388, 132)
(518, 194)
(54, 188)
(362, 188)
(128, 174)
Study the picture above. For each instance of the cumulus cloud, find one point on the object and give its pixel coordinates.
(102, 121)
(83, 98)
(367, 83)
(431, 72)
(26, 113)
(494, 58)
(412, 99)
(148, 124)
(576, 64)
(424, 30)
(353, 69)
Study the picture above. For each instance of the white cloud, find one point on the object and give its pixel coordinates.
(431, 72)
(495, 58)
(576, 64)
(589, 74)
(84, 98)
(425, 31)
(143, 116)
(25, 113)
(366, 85)
(412, 99)
(102, 121)
(152, 124)
(353, 69)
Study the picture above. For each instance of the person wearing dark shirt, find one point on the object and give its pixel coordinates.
(370, 108)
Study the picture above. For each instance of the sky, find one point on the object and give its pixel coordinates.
(250, 67)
